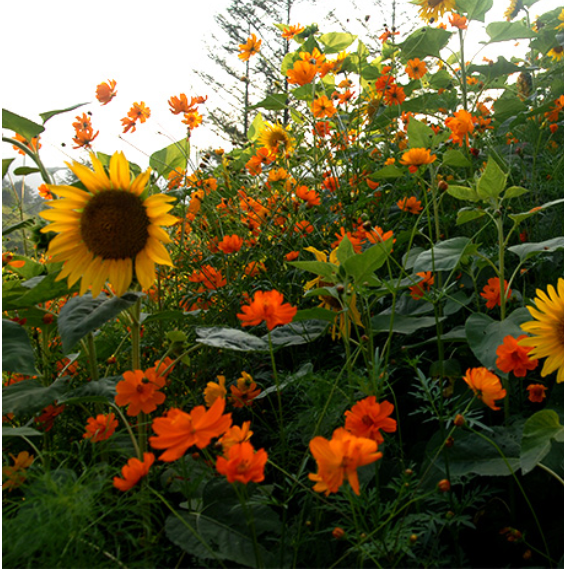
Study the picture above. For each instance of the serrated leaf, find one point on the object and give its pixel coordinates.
(175, 156)
(492, 182)
(474, 9)
(17, 353)
(84, 314)
(505, 31)
(540, 430)
(419, 135)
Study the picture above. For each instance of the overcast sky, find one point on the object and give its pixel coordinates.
(55, 52)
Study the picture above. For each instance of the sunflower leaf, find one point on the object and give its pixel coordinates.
(26, 128)
(17, 353)
(30, 396)
(540, 430)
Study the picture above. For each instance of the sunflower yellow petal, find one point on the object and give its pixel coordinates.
(140, 182)
(70, 192)
(92, 180)
(120, 272)
(157, 252)
(119, 172)
(165, 219)
(145, 270)
(60, 215)
(159, 233)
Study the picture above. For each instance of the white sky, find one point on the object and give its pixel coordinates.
(55, 52)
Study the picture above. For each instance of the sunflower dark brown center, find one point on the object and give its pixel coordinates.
(114, 225)
(434, 3)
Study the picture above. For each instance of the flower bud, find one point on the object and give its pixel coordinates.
(338, 533)
(443, 485)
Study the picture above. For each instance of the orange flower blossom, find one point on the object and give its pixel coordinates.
(230, 244)
(139, 391)
(416, 157)
(492, 292)
(269, 307)
(16, 474)
(418, 290)
(251, 47)
(214, 390)
(105, 92)
(411, 205)
(100, 428)
(322, 107)
(133, 471)
(514, 358)
(367, 417)
(235, 435)
(536, 392)
(485, 385)
(245, 391)
(243, 464)
(415, 68)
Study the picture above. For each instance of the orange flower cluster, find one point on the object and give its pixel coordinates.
(242, 464)
(291, 31)
(133, 471)
(515, 358)
(485, 385)
(84, 133)
(106, 91)
(140, 391)
(554, 112)
(100, 428)
(230, 244)
(243, 394)
(192, 116)
(267, 307)
(138, 112)
(411, 205)
(492, 292)
(461, 125)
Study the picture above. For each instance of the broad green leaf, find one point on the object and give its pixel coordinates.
(508, 106)
(39, 289)
(326, 270)
(6, 166)
(474, 9)
(315, 314)
(466, 215)
(297, 333)
(463, 193)
(29, 396)
(388, 173)
(273, 102)
(455, 159)
(26, 171)
(505, 31)
(540, 430)
(441, 79)
(492, 182)
(84, 314)
(165, 315)
(345, 250)
(20, 432)
(419, 135)
(17, 353)
(500, 68)
(254, 130)
(103, 390)
(519, 217)
(528, 250)
(402, 324)
(49, 114)
(485, 334)
(335, 42)
(423, 42)
(20, 225)
(361, 266)
(230, 339)
(514, 192)
(175, 156)
(28, 129)
(30, 268)
(445, 256)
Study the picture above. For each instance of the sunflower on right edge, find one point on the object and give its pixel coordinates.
(108, 229)
(547, 330)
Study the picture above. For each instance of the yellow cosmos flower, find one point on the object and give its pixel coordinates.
(434, 9)
(108, 229)
(547, 330)
(276, 138)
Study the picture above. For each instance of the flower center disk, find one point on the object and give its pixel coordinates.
(114, 225)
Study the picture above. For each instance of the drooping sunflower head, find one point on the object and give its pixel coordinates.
(108, 229)
(513, 9)
(276, 138)
(372, 100)
(434, 9)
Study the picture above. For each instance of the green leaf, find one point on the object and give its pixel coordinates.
(273, 102)
(474, 9)
(297, 333)
(20, 432)
(38, 289)
(30, 268)
(504, 31)
(500, 68)
(28, 129)
(345, 250)
(84, 314)
(230, 339)
(103, 390)
(254, 130)
(402, 324)
(465, 215)
(540, 430)
(335, 42)
(508, 106)
(455, 159)
(17, 353)
(175, 156)
(492, 182)
(361, 266)
(326, 270)
(463, 193)
(49, 114)
(165, 315)
(20, 225)
(514, 192)
(26, 171)
(445, 256)
(423, 42)
(29, 396)
(6, 165)
(388, 173)
(519, 217)
(485, 334)
(441, 79)
(528, 250)
(419, 135)
(315, 314)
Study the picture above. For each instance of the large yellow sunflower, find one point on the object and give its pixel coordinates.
(104, 230)
(276, 138)
(434, 9)
(547, 330)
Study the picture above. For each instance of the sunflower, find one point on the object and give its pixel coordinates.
(276, 138)
(515, 6)
(106, 228)
(547, 330)
(434, 9)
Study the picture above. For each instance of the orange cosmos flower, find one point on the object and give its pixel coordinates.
(292, 256)
(416, 157)
(536, 392)
(100, 428)
(338, 459)
(34, 145)
(302, 73)
(377, 235)
(193, 119)
(83, 122)
(311, 197)
(418, 290)
(44, 192)
(128, 125)
(514, 358)
(246, 390)
(230, 244)
(457, 21)
(269, 307)
(209, 276)
(235, 435)
(214, 390)
(323, 107)
(139, 111)
(133, 471)
(138, 394)
(16, 474)
(492, 292)
(84, 138)
(411, 205)
(367, 417)
(105, 92)
(180, 104)
(416, 68)
(177, 430)
(394, 95)
(251, 47)
(243, 464)
(291, 31)
(303, 227)
(485, 385)
(48, 416)
(461, 125)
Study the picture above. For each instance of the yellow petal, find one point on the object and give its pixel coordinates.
(157, 252)
(119, 172)
(159, 233)
(140, 182)
(70, 192)
(91, 180)
(145, 270)
(120, 275)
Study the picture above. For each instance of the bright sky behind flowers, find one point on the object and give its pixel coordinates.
(56, 52)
